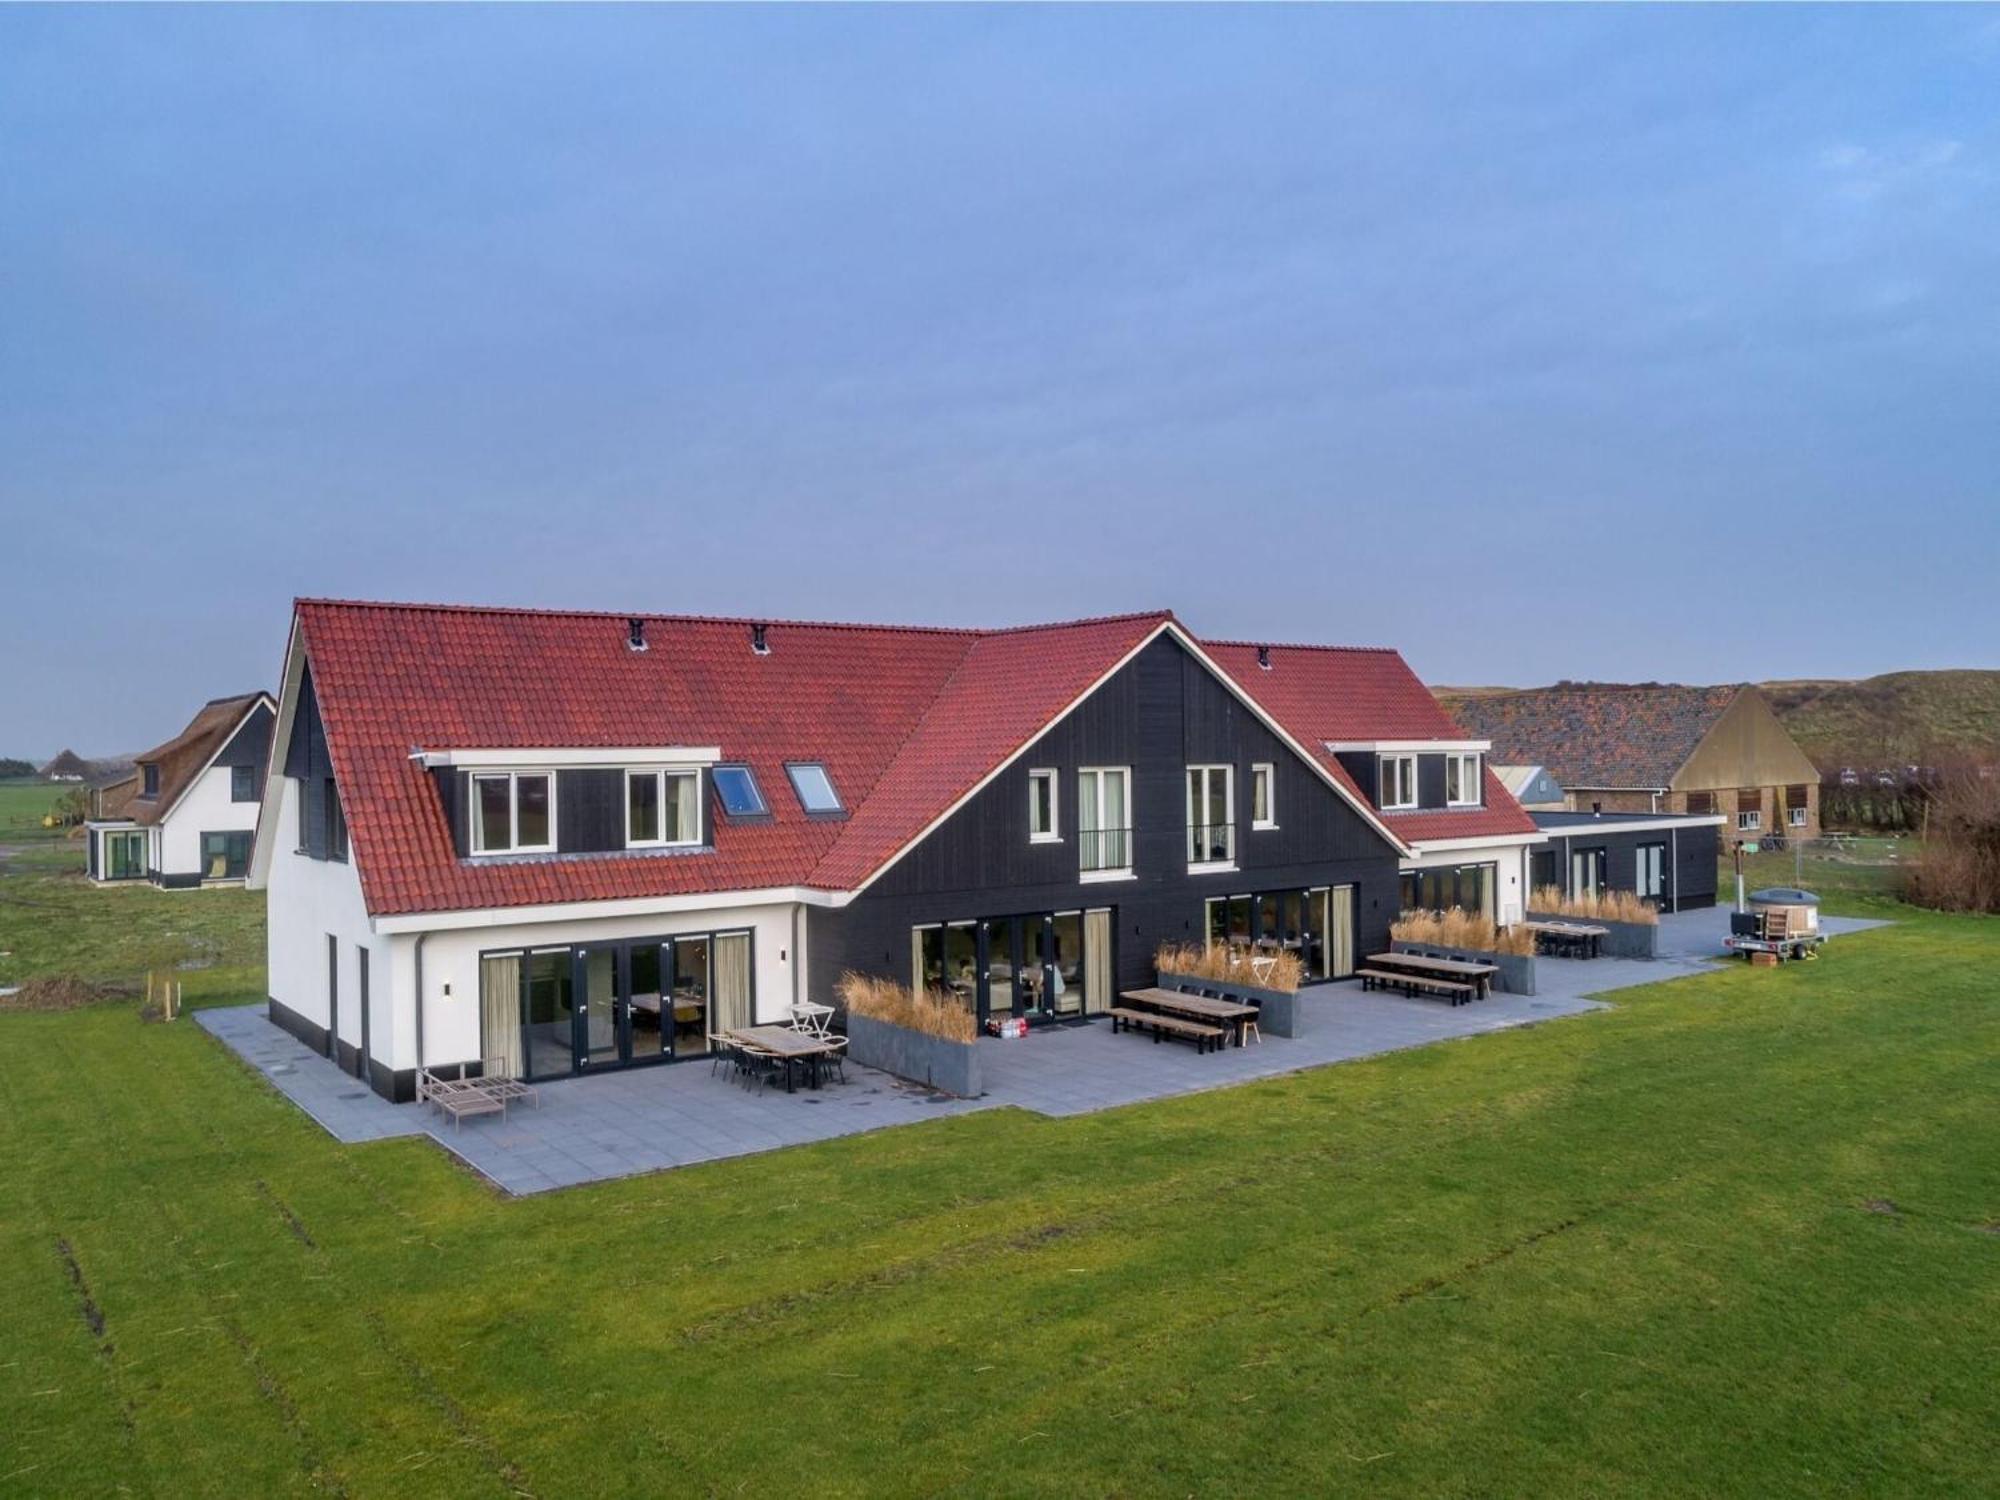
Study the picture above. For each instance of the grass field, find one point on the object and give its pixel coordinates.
(1739, 1235)
(22, 805)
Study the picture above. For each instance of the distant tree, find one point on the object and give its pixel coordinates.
(11, 767)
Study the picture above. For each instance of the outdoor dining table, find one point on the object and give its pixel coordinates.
(1229, 1013)
(788, 1045)
(1579, 937)
(1479, 976)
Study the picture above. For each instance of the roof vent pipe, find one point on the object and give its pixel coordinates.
(1264, 657)
(757, 641)
(635, 634)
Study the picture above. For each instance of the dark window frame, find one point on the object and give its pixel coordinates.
(828, 814)
(243, 784)
(762, 812)
(149, 778)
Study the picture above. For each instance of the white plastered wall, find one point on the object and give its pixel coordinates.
(1510, 875)
(205, 808)
(451, 968)
(305, 901)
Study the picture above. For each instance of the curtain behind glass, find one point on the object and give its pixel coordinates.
(1096, 962)
(731, 1002)
(500, 1012)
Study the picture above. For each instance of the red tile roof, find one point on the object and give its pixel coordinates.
(905, 719)
(1349, 693)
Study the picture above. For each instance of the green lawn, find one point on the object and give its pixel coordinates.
(1739, 1235)
(22, 806)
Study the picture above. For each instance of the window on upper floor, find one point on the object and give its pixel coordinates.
(513, 812)
(662, 808)
(1042, 826)
(1211, 815)
(1461, 779)
(814, 788)
(1263, 807)
(242, 783)
(1396, 781)
(736, 788)
(1103, 820)
(149, 779)
(336, 823)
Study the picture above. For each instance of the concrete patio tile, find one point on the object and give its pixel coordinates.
(621, 1124)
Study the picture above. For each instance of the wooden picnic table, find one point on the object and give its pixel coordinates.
(1582, 937)
(1230, 1013)
(788, 1044)
(1478, 975)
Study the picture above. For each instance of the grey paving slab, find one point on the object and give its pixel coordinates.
(653, 1119)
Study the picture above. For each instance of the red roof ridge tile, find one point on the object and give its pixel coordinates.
(780, 622)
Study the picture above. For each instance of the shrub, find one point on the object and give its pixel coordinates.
(1959, 869)
(1228, 963)
(1606, 906)
(1458, 928)
(932, 1012)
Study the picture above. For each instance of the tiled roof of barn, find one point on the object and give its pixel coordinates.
(1597, 735)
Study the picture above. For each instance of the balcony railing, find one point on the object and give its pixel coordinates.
(1211, 843)
(1104, 849)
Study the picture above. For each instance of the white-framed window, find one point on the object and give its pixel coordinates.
(1043, 824)
(1211, 815)
(1263, 804)
(662, 808)
(1103, 821)
(1397, 781)
(814, 788)
(1749, 820)
(513, 812)
(1462, 779)
(1796, 816)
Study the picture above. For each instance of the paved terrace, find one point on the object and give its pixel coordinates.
(648, 1119)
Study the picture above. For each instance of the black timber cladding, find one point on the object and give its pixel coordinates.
(1161, 713)
(1692, 850)
(251, 744)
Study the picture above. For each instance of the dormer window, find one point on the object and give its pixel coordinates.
(149, 775)
(814, 789)
(662, 809)
(736, 788)
(1396, 782)
(1462, 779)
(513, 813)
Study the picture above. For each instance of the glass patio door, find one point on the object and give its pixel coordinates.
(600, 1007)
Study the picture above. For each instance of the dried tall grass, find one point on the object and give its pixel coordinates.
(1959, 869)
(1228, 963)
(1459, 928)
(1606, 906)
(932, 1012)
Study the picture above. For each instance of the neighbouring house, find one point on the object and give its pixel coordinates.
(557, 843)
(1657, 749)
(1666, 859)
(1533, 787)
(68, 766)
(187, 814)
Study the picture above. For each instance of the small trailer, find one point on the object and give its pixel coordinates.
(1781, 923)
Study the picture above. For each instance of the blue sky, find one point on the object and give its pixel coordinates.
(1655, 343)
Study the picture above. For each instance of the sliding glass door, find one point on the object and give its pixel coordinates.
(1039, 966)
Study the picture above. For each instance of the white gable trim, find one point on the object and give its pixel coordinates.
(573, 755)
(281, 737)
(209, 764)
(1193, 647)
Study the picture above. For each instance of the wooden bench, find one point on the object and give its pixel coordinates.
(1411, 984)
(1161, 1026)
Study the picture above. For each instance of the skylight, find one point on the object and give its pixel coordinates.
(740, 794)
(815, 788)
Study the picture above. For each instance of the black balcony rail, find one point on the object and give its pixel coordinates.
(1104, 849)
(1211, 843)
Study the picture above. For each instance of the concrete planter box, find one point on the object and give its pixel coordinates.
(1278, 1011)
(948, 1067)
(1517, 970)
(1621, 939)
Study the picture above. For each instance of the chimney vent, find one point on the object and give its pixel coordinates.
(635, 635)
(1264, 657)
(757, 641)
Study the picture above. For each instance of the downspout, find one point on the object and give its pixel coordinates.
(1674, 855)
(420, 999)
(798, 909)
